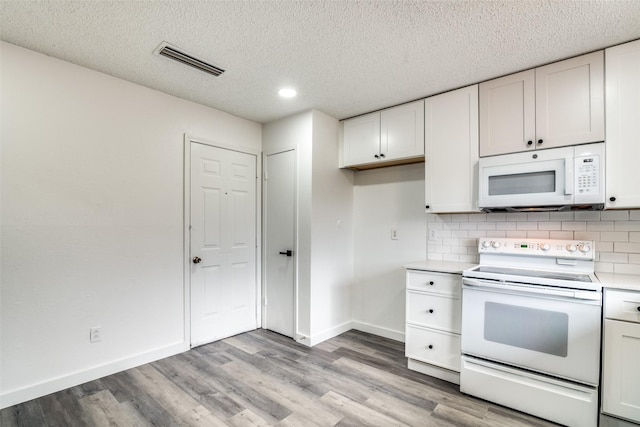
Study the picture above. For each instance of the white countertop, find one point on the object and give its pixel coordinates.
(608, 280)
(619, 281)
(439, 266)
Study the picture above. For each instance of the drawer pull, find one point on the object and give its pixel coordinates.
(431, 310)
(431, 283)
(430, 347)
(638, 308)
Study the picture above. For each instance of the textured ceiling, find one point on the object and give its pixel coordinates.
(344, 57)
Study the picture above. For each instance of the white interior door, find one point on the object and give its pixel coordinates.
(223, 243)
(279, 192)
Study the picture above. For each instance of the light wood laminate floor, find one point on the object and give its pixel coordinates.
(261, 378)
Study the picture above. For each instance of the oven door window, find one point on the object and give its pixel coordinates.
(534, 329)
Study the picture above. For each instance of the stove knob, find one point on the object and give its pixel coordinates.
(571, 247)
(495, 245)
(584, 248)
(545, 247)
(486, 244)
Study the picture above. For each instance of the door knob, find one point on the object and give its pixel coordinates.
(289, 252)
(196, 260)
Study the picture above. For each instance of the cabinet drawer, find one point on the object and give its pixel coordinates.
(441, 283)
(622, 305)
(434, 311)
(435, 347)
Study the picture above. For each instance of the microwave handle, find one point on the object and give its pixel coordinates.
(568, 175)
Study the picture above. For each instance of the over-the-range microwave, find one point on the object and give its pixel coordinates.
(543, 180)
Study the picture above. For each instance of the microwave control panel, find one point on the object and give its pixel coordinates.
(587, 175)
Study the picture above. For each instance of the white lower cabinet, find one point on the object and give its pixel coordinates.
(432, 340)
(621, 361)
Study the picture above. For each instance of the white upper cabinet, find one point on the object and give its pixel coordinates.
(451, 151)
(361, 139)
(555, 105)
(507, 114)
(623, 125)
(570, 101)
(391, 136)
(402, 131)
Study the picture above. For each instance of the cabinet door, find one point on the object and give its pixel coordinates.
(623, 125)
(402, 131)
(621, 370)
(570, 101)
(451, 151)
(361, 140)
(507, 114)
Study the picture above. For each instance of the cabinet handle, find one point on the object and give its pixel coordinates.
(376, 156)
(540, 141)
(427, 207)
(430, 347)
(612, 199)
(382, 155)
(639, 308)
(529, 142)
(431, 283)
(431, 310)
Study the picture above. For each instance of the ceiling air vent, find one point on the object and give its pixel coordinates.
(165, 49)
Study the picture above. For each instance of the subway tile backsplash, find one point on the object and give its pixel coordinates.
(616, 234)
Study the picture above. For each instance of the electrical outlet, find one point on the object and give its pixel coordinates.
(95, 334)
(433, 234)
(394, 234)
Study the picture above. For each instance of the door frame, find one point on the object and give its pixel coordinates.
(296, 336)
(186, 220)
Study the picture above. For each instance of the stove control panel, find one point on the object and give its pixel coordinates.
(581, 249)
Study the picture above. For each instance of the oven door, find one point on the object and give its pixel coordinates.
(543, 331)
(543, 178)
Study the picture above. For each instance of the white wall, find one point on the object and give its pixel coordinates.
(92, 220)
(385, 199)
(331, 234)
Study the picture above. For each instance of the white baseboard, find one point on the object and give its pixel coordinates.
(326, 334)
(14, 397)
(378, 330)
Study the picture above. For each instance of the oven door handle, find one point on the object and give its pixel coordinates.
(505, 287)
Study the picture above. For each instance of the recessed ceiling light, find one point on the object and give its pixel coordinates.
(287, 92)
